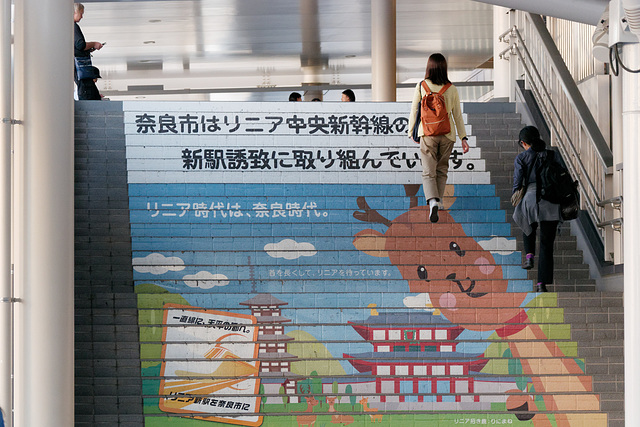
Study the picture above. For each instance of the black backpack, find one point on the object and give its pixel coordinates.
(556, 186)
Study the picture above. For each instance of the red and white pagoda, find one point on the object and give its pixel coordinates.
(275, 361)
(414, 354)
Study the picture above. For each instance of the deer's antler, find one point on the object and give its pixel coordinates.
(369, 215)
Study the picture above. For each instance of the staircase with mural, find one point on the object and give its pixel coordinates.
(304, 284)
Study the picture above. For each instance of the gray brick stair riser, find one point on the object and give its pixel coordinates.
(614, 352)
(512, 119)
(497, 134)
(589, 299)
(505, 158)
(507, 126)
(569, 288)
(509, 144)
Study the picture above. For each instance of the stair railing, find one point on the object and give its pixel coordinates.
(573, 129)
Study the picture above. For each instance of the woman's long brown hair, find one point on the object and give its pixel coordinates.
(437, 69)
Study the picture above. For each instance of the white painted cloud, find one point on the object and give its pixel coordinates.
(205, 280)
(420, 301)
(156, 263)
(499, 245)
(290, 249)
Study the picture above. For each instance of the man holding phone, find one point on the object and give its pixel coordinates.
(81, 48)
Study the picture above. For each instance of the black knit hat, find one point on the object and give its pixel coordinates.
(529, 134)
(95, 73)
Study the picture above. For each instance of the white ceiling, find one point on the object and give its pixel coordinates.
(245, 49)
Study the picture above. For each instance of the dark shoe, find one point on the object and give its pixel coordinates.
(527, 264)
(433, 216)
(540, 287)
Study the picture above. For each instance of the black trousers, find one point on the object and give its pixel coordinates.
(545, 260)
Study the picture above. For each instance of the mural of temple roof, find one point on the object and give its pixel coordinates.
(475, 362)
(277, 356)
(263, 299)
(409, 318)
(417, 357)
(421, 325)
(274, 338)
(272, 319)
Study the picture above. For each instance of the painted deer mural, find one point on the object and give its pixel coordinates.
(338, 418)
(371, 411)
(308, 420)
(467, 286)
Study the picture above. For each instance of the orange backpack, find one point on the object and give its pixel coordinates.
(434, 117)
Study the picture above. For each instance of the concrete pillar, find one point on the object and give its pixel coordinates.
(17, 214)
(501, 80)
(383, 50)
(6, 328)
(631, 141)
(312, 63)
(43, 200)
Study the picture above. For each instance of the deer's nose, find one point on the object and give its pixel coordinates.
(422, 273)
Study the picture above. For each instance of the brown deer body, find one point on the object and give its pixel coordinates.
(308, 420)
(365, 406)
(338, 418)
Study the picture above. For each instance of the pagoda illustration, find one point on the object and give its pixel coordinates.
(275, 361)
(415, 354)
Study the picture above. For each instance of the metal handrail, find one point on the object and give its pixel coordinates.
(573, 93)
(574, 130)
(615, 202)
(615, 223)
(565, 135)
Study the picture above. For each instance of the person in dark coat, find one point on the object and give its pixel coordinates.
(81, 48)
(87, 89)
(533, 212)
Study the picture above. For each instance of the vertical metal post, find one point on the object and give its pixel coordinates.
(501, 80)
(617, 151)
(6, 295)
(514, 65)
(383, 50)
(43, 198)
(631, 195)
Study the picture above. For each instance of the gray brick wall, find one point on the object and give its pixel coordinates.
(108, 383)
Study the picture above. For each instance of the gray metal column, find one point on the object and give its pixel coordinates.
(618, 159)
(383, 50)
(514, 64)
(6, 324)
(43, 200)
(631, 195)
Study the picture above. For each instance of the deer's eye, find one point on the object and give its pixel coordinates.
(422, 272)
(453, 246)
